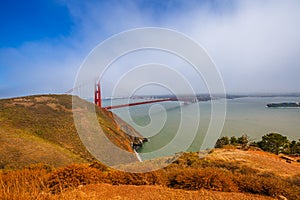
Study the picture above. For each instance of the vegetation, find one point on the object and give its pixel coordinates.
(242, 141)
(40, 129)
(271, 142)
(187, 173)
(221, 142)
(277, 143)
(274, 143)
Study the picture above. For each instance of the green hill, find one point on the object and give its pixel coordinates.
(40, 129)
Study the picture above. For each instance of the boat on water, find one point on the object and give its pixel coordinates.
(284, 105)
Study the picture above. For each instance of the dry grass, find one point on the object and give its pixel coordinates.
(44, 132)
(45, 99)
(25, 185)
(20, 123)
(31, 126)
(192, 176)
(259, 160)
(19, 149)
(129, 192)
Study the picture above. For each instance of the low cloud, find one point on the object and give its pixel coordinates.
(255, 44)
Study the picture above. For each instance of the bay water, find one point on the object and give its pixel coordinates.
(160, 122)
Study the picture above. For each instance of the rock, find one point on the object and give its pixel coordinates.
(138, 142)
(280, 197)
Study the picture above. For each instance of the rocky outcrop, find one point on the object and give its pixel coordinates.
(138, 142)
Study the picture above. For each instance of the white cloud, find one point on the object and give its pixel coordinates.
(255, 44)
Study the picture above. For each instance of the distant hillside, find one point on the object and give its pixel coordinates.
(40, 128)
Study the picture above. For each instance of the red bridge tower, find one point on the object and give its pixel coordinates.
(98, 101)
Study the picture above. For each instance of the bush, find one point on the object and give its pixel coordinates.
(208, 178)
(267, 185)
(99, 166)
(222, 142)
(72, 176)
(244, 141)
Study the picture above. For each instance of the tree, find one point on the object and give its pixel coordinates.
(274, 142)
(244, 141)
(298, 147)
(233, 140)
(293, 147)
(222, 142)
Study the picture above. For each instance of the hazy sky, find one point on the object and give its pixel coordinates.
(255, 44)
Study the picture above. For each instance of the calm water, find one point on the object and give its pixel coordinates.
(160, 122)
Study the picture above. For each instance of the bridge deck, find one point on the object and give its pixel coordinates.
(139, 103)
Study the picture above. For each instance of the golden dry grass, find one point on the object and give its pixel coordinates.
(129, 192)
(187, 178)
(25, 185)
(41, 128)
(259, 160)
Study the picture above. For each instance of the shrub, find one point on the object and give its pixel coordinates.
(190, 159)
(233, 140)
(244, 141)
(208, 178)
(222, 142)
(99, 166)
(72, 176)
(267, 185)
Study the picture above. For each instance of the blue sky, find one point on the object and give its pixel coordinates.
(255, 44)
(33, 20)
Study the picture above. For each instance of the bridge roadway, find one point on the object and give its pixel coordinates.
(147, 102)
(139, 103)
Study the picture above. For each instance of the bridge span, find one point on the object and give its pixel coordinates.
(98, 100)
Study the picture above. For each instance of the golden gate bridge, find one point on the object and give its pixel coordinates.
(98, 99)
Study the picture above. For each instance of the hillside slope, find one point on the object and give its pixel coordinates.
(223, 174)
(263, 162)
(41, 128)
